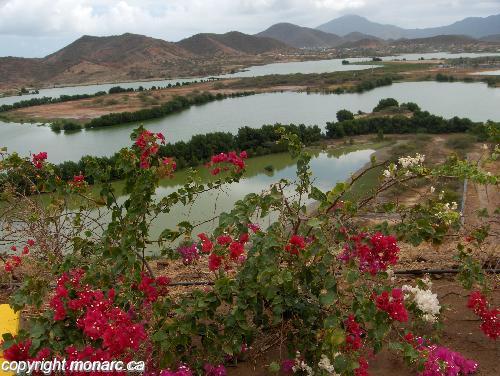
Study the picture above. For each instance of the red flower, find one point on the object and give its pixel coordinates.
(31, 242)
(490, 325)
(224, 239)
(147, 142)
(26, 250)
(13, 248)
(18, 351)
(78, 181)
(236, 250)
(353, 334)
(16, 261)
(393, 305)
(214, 262)
(244, 238)
(206, 244)
(374, 254)
(362, 370)
(8, 267)
(230, 158)
(38, 159)
(409, 337)
(295, 245)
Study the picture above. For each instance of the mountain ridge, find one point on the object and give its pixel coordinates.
(475, 27)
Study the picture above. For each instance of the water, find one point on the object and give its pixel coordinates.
(440, 55)
(328, 168)
(488, 73)
(318, 66)
(445, 99)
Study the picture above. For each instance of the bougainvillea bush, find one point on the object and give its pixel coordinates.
(317, 278)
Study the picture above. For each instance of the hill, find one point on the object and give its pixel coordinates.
(301, 37)
(129, 57)
(89, 58)
(475, 27)
(232, 43)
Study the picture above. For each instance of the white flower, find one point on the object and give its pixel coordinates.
(441, 195)
(300, 365)
(485, 147)
(387, 174)
(425, 300)
(326, 365)
(411, 161)
(433, 189)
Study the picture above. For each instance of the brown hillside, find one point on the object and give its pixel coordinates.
(232, 43)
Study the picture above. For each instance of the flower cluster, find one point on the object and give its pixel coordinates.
(18, 351)
(96, 316)
(78, 181)
(39, 159)
(393, 304)
(231, 158)
(299, 365)
(15, 261)
(189, 253)
(168, 166)
(354, 334)
(362, 370)
(374, 253)
(153, 287)
(405, 163)
(326, 365)
(183, 370)
(211, 370)
(442, 361)
(490, 325)
(228, 250)
(296, 244)
(425, 300)
(147, 142)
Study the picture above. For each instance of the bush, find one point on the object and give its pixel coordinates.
(386, 103)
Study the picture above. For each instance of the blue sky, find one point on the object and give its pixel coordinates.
(35, 28)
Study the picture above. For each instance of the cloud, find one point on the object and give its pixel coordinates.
(33, 20)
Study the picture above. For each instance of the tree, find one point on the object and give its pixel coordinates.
(344, 115)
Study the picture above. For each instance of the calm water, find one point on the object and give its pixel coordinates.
(319, 66)
(328, 169)
(473, 100)
(488, 73)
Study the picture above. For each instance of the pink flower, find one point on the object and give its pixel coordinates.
(211, 370)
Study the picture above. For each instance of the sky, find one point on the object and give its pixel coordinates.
(35, 28)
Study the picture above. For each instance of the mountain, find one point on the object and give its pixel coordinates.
(356, 36)
(301, 37)
(352, 23)
(93, 59)
(129, 57)
(232, 43)
(473, 26)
